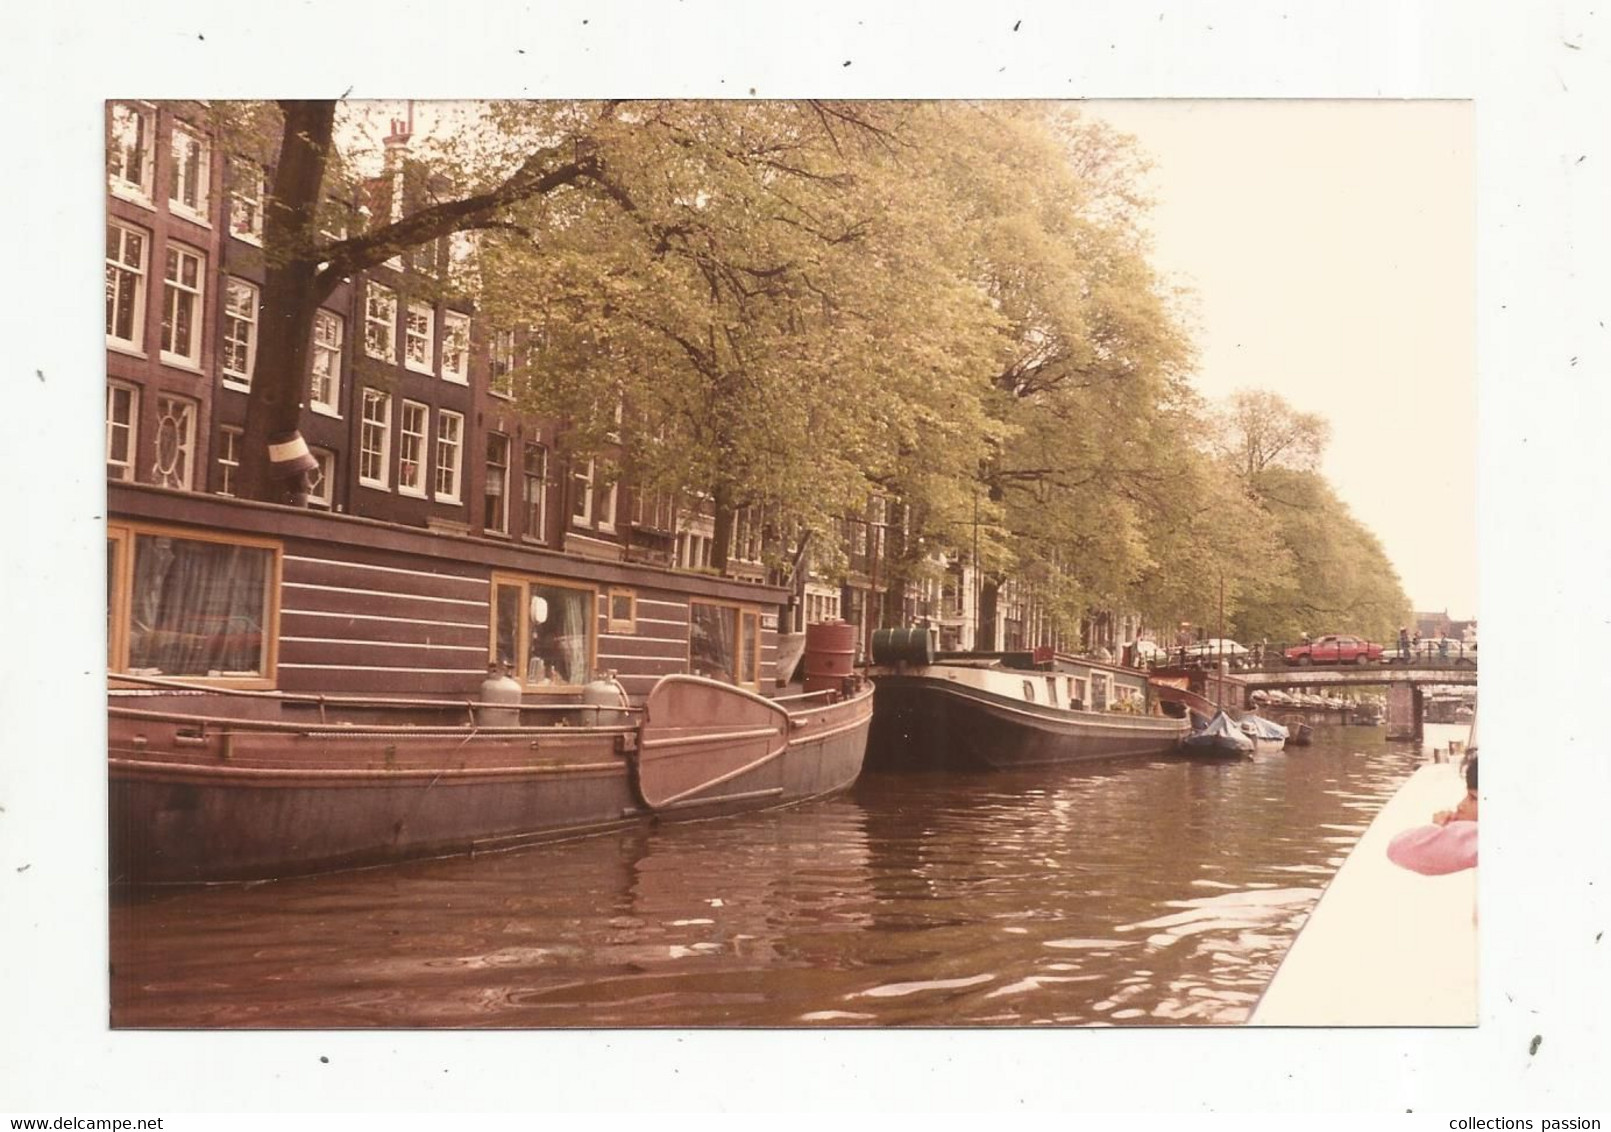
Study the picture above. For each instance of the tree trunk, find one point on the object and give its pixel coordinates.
(290, 295)
(722, 536)
(989, 591)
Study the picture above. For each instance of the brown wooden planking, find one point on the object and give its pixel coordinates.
(355, 681)
(345, 627)
(639, 646)
(296, 598)
(300, 554)
(316, 533)
(365, 577)
(367, 655)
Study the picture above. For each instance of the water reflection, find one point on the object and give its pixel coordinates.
(1153, 893)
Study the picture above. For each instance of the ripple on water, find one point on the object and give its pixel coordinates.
(1154, 893)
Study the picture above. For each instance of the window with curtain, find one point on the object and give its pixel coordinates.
(544, 631)
(195, 608)
(713, 641)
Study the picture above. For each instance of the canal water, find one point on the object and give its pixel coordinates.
(1142, 893)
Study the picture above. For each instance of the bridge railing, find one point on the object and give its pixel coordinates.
(1265, 657)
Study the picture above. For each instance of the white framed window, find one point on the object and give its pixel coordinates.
(582, 495)
(229, 458)
(129, 152)
(419, 342)
(246, 200)
(745, 543)
(415, 426)
(534, 475)
(175, 448)
(240, 332)
(183, 281)
(126, 252)
(321, 481)
(122, 421)
(375, 439)
(604, 505)
(192, 160)
(456, 347)
(502, 379)
(656, 511)
(324, 390)
(449, 455)
(380, 322)
(495, 501)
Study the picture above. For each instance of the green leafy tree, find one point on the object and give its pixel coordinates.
(1342, 580)
(782, 323)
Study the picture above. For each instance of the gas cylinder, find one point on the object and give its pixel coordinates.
(500, 699)
(603, 692)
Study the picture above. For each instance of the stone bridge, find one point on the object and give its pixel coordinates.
(1357, 675)
(1406, 701)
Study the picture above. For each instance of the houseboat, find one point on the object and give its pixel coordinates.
(294, 691)
(1009, 709)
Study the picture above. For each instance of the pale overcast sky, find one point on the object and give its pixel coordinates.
(1330, 247)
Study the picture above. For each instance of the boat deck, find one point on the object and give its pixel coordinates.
(1385, 946)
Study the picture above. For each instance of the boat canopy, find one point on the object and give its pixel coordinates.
(1221, 724)
(1259, 727)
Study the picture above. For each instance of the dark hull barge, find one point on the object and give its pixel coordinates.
(293, 692)
(209, 785)
(1001, 711)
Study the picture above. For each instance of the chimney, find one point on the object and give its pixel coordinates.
(397, 144)
(396, 151)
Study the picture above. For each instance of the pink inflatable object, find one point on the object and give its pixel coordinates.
(1435, 850)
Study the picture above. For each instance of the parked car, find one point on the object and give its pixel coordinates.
(1211, 650)
(1334, 648)
(1146, 652)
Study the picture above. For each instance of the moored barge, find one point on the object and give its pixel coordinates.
(293, 691)
(997, 711)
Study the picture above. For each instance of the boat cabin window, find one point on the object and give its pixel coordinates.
(1076, 693)
(191, 606)
(1051, 690)
(1029, 691)
(623, 611)
(724, 642)
(544, 630)
(1099, 692)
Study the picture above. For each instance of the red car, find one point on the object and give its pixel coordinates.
(1335, 648)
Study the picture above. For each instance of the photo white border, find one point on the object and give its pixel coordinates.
(1539, 76)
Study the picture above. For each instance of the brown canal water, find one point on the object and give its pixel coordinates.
(1142, 893)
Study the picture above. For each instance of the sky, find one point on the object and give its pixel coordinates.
(1330, 250)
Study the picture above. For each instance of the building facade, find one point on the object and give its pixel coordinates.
(410, 407)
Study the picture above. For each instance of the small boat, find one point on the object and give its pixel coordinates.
(218, 784)
(1299, 732)
(1267, 735)
(1002, 710)
(1220, 737)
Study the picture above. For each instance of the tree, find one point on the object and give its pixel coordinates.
(1091, 355)
(785, 324)
(1341, 581)
(1259, 429)
(302, 267)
